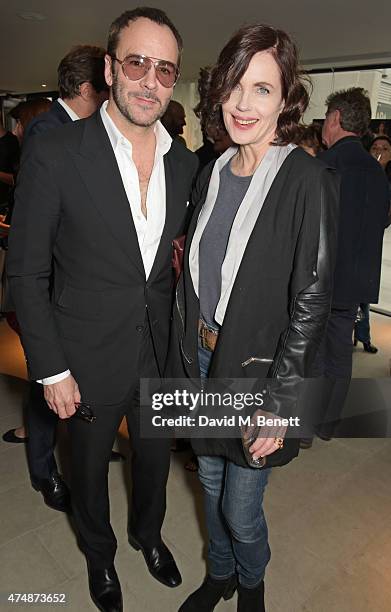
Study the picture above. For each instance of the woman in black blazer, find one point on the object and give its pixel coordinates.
(254, 296)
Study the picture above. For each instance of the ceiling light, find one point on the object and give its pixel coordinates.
(31, 16)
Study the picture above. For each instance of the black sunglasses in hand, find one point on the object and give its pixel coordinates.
(84, 412)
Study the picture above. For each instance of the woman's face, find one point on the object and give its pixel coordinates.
(251, 112)
(381, 150)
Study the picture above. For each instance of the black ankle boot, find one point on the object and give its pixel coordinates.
(251, 600)
(209, 594)
(368, 346)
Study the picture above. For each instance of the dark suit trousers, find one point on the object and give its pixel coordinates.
(41, 425)
(91, 445)
(333, 363)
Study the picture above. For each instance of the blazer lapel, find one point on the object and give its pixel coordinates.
(174, 214)
(99, 171)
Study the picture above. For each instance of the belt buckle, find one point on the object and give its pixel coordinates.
(204, 337)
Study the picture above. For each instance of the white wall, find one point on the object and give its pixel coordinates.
(186, 93)
(324, 84)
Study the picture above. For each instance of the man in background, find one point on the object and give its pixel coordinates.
(174, 120)
(82, 89)
(363, 208)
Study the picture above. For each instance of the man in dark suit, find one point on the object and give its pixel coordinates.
(363, 207)
(82, 88)
(111, 194)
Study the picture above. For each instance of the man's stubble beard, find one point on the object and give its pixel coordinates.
(121, 96)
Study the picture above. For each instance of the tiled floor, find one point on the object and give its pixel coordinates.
(328, 512)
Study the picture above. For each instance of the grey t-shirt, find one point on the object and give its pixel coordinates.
(214, 241)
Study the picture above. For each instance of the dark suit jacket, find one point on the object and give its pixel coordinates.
(72, 212)
(364, 203)
(40, 124)
(55, 117)
(280, 301)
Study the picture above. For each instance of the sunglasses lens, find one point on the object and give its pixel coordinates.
(136, 67)
(166, 74)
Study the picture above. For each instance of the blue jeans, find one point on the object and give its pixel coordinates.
(361, 329)
(238, 537)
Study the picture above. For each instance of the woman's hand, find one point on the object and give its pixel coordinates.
(269, 438)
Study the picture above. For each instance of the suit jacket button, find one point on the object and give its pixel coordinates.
(139, 328)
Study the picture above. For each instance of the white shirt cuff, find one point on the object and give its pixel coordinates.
(50, 380)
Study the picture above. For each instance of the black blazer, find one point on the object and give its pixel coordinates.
(363, 216)
(280, 301)
(54, 117)
(72, 213)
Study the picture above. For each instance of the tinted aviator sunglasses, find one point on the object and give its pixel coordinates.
(135, 67)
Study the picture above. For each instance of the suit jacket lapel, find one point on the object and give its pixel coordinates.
(99, 171)
(173, 212)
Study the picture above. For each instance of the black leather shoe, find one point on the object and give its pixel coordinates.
(160, 562)
(251, 600)
(206, 598)
(10, 436)
(369, 348)
(55, 493)
(105, 589)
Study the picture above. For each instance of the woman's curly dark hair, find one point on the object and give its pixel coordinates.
(233, 62)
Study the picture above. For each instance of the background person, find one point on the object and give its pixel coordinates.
(9, 160)
(310, 139)
(23, 113)
(363, 208)
(381, 150)
(174, 120)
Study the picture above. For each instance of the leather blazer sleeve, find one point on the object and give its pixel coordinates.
(310, 302)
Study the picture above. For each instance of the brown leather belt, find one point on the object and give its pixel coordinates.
(208, 337)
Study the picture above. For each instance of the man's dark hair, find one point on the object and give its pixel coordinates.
(354, 107)
(84, 63)
(122, 22)
(233, 62)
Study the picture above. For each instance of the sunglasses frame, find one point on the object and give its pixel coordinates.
(84, 412)
(153, 62)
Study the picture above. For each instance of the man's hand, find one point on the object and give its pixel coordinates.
(62, 396)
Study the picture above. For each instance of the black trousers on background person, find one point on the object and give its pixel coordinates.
(41, 430)
(333, 363)
(91, 444)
